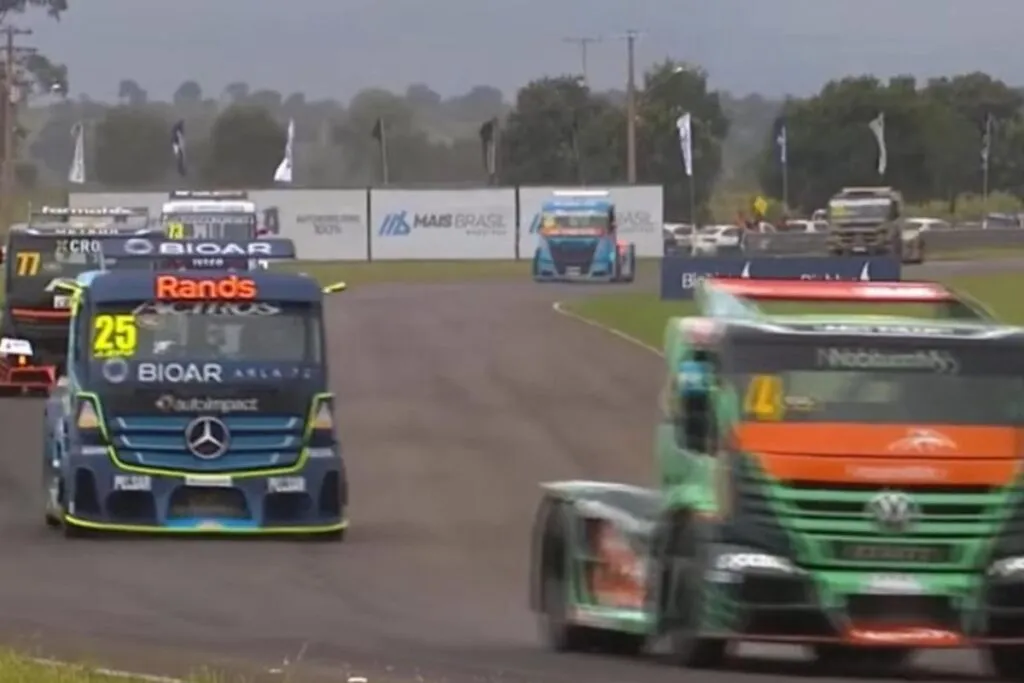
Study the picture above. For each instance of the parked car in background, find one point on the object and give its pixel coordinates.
(718, 239)
(914, 233)
(800, 225)
(678, 238)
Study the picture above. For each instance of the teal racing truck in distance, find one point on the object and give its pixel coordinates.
(195, 401)
(847, 482)
(577, 240)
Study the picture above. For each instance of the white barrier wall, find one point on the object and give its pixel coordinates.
(392, 224)
(326, 225)
(443, 224)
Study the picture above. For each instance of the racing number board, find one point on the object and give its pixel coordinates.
(763, 400)
(114, 335)
(26, 263)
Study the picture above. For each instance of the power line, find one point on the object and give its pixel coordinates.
(584, 43)
(10, 95)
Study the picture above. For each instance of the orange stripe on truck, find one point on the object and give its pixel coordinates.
(885, 454)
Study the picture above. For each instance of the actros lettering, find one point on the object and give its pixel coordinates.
(246, 308)
(179, 373)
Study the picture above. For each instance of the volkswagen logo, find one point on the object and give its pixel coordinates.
(207, 438)
(893, 511)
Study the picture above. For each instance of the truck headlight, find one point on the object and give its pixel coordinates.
(1007, 567)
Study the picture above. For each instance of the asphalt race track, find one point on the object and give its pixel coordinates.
(455, 400)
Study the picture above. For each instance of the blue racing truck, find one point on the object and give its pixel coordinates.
(195, 401)
(577, 240)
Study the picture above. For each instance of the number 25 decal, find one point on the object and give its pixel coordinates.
(114, 335)
(764, 398)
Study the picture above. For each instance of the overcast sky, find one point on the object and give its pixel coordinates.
(336, 47)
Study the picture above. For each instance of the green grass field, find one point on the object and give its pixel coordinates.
(643, 316)
(16, 668)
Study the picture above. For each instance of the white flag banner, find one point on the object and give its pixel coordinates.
(76, 174)
(783, 142)
(877, 127)
(283, 174)
(684, 126)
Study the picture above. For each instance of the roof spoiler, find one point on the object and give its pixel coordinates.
(208, 194)
(161, 247)
(736, 296)
(63, 214)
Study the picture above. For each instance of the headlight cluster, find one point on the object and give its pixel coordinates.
(1007, 567)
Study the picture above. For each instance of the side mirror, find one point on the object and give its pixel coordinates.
(693, 378)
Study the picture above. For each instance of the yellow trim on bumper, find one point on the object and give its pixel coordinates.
(212, 529)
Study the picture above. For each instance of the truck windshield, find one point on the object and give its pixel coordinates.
(859, 211)
(926, 381)
(208, 330)
(211, 226)
(575, 222)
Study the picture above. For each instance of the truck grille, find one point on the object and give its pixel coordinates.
(833, 527)
(256, 443)
(572, 254)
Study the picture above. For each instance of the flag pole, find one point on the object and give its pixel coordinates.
(986, 151)
(693, 201)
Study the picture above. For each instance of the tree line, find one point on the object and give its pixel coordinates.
(942, 138)
(555, 131)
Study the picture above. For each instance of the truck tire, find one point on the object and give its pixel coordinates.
(1005, 662)
(841, 660)
(681, 596)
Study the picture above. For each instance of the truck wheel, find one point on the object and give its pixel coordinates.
(681, 599)
(1005, 662)
(850, 661)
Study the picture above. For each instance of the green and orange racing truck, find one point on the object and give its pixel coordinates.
(847, 482)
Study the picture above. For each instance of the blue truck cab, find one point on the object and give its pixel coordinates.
(577, 240)
(195, 401)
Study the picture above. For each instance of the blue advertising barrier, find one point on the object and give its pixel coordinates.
(679, 274)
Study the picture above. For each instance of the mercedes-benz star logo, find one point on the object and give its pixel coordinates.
(893, 511)
(207, 438)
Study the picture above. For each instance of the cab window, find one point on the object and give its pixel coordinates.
(693, 413)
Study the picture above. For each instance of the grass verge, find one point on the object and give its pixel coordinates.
(982, 254)
(16, 668)
(360, 273)
(643, 315)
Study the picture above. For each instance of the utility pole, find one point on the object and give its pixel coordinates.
(10, 96)
(584, 42)
(630, 39)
